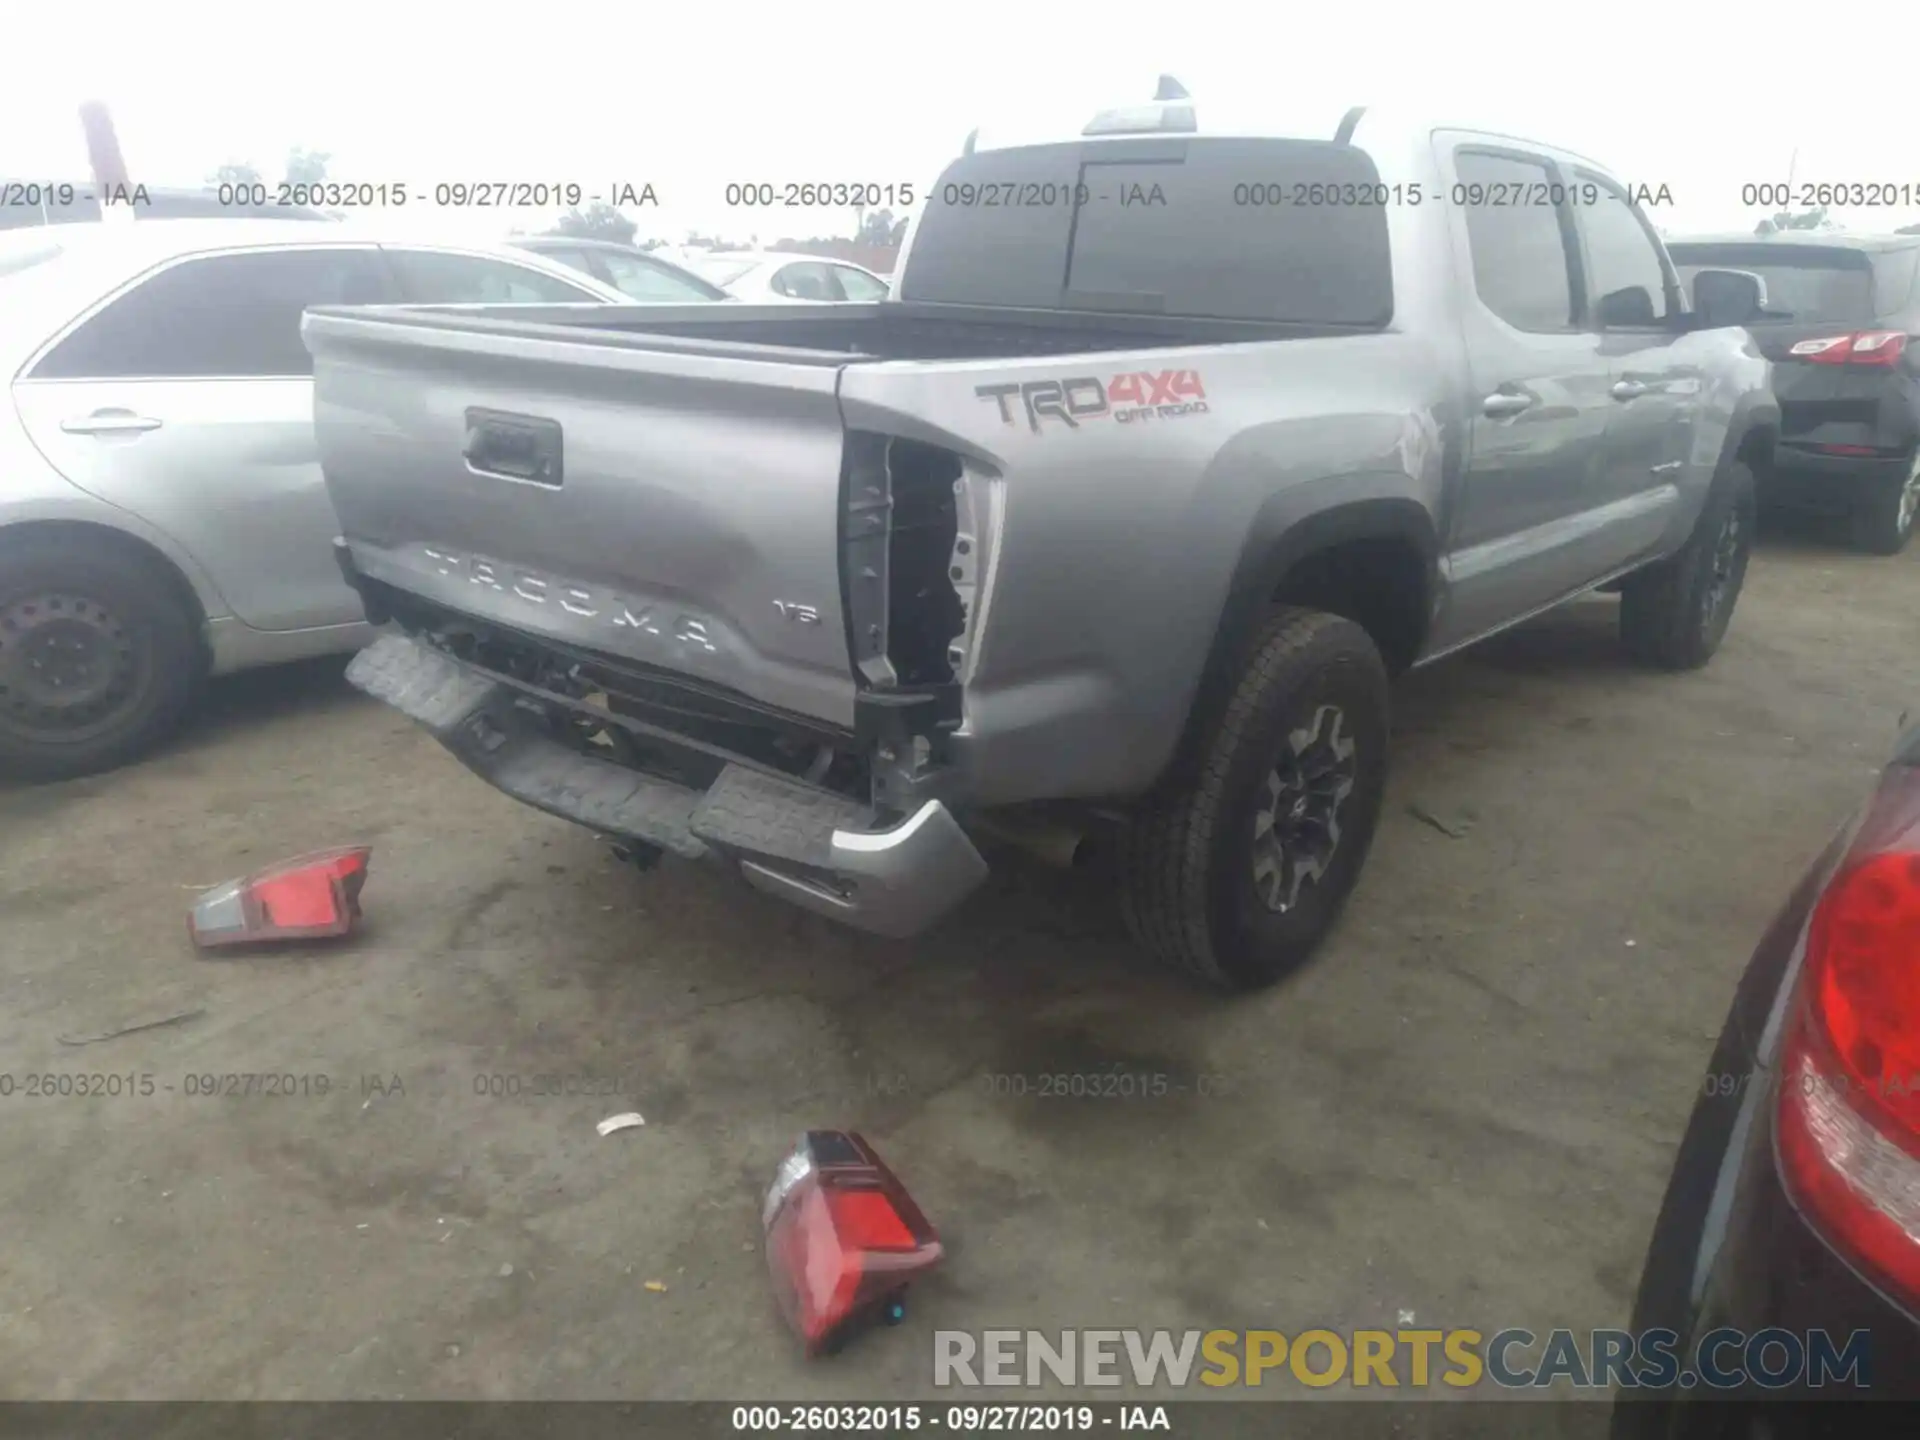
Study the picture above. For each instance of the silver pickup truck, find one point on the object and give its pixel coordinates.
(1112, 525)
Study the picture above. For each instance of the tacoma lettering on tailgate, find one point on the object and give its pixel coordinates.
(617, 612)
(1126, 399)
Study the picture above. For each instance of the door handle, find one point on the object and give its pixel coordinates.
(1628, 390)
(1505, 402)
(110, 422)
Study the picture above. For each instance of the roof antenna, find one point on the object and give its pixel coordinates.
(1170, 89)
(973, 135)
(1347, 124)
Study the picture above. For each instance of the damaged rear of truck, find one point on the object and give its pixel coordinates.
(1114, 521)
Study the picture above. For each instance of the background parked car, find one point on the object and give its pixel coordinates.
(767, 276)
(1792, 1206)
(632, 271)
(162, 514)
(1843, 331)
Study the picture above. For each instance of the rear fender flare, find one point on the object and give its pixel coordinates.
(1756, 420)
(1276, 542)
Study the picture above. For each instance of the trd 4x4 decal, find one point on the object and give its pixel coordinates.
(1126, 399)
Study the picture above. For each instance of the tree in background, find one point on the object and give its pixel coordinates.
(234, 172)
(598, 221)
(306, 167)
(1814, 219)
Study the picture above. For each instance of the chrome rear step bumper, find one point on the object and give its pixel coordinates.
(807, 846)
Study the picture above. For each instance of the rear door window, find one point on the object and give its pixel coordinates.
(228, 316)
(1216, 228)
(1520, 241)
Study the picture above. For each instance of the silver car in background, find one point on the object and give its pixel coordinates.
(635, 273)
(162, 513)
(767, 277)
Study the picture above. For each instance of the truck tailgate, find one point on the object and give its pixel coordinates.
(679, 510)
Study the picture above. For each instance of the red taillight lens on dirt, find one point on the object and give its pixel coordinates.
(1862, 347)
(844, 1238)
(308, 898)
(1849, 1118)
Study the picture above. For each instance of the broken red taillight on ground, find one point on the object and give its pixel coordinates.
(844, 1239)
(1849, 1117)
(311, 897)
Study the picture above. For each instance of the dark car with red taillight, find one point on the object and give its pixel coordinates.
(1794, 1204)
(1842, 328)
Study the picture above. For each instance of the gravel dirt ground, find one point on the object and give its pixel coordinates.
(1465, 1108)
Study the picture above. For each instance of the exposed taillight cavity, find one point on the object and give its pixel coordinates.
(844, 1238)
(1859, 347)
(1849, 1116)
(908, 560)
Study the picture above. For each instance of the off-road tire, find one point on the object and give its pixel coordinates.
(103, 595)
(1883, 519)
(1186, 857)
(1674, 615)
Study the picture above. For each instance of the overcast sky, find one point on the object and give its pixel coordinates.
(690, 97)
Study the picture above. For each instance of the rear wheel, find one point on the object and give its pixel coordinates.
(99, 657)
(1236, 872)
(1675, 614)
(1883, 521)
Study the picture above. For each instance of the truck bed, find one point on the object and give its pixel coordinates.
(837, 334)
(777, 518)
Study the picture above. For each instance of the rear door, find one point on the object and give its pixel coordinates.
(187, 398)
(1522, 535)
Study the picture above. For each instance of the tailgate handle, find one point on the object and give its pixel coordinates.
(513, 447)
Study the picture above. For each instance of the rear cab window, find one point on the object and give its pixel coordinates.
(1163, 226)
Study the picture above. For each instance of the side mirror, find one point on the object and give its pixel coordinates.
(1727, 297)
